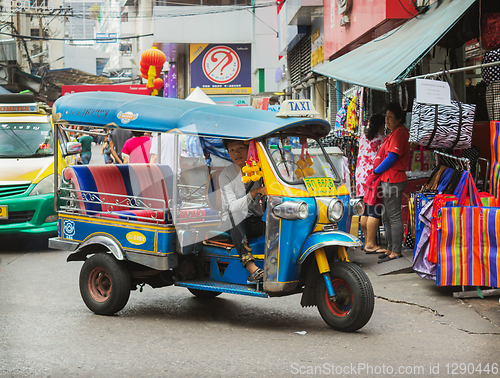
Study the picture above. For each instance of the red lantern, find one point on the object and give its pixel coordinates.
(151, 63)
(158, 83)
(153, 57)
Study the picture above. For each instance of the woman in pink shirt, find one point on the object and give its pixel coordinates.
(136, 149)
(369, 145)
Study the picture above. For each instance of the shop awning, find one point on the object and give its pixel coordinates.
(391, 56)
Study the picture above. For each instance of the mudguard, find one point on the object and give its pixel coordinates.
(106, 241)
(324, 239)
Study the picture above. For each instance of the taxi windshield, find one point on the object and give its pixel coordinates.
(25, 140)
(299, 157)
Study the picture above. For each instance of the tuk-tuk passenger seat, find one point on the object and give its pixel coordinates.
(108, 182)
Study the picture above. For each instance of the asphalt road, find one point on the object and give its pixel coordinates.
(46, 330)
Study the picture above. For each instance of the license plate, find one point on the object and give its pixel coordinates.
(320, 187)
(4, 212)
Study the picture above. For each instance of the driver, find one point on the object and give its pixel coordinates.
(240, 204)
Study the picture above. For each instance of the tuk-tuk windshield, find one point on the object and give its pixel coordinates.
(25, 140)
(296, 158)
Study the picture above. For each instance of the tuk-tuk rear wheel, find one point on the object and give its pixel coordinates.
(104, 284)
(354, 303)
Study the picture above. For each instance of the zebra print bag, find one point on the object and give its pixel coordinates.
(442, 126)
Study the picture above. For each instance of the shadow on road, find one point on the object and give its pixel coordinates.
(23, 243)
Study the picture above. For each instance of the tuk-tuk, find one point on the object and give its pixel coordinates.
(137, 224)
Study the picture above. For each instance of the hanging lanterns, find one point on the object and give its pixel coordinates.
(152, 61)
(158, 83)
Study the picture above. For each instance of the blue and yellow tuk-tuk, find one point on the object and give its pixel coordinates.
(155, 224)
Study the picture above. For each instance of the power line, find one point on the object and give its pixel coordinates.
(84, 15)
(75, 39)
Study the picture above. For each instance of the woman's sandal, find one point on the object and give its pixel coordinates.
(256, 276)
(376, 251)
(390, 258)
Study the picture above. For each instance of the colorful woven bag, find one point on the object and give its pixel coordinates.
(467, 243)
(440, 200)
(495, 158)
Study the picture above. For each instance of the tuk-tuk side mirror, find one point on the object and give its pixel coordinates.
(73, 148)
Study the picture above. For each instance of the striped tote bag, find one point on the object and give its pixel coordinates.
(468, 239)
(467, 242)
(495, 158)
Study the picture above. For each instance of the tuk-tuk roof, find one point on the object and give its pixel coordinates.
(158, 114)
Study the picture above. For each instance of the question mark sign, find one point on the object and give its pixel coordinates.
(229, 59)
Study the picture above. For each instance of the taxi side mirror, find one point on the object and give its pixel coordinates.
(73, 148)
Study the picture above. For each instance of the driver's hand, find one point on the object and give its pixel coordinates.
(261, 190)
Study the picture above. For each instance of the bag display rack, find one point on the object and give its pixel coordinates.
(461, 163)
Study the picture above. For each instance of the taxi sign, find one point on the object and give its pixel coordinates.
(297, 108)
(4, 212)
(19, 108)
(320, 187)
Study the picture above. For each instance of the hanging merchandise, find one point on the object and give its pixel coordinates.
(440, 201)
(442, 126)
(467, 246)
(492, 73)
(352, 116)
(491, 31)
(252, 170)
(340, 120)
(495, 158)
(493, 101)
(421, 265)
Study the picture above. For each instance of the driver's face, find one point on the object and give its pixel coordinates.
(238, 152)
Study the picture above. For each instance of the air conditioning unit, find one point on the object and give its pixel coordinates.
(8, 50)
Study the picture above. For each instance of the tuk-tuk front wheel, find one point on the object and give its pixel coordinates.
(354, 298)
(104, 284)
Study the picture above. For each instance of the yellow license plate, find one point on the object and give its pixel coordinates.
(320, 187)
(4, 212)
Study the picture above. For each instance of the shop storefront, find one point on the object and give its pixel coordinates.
(454, 140)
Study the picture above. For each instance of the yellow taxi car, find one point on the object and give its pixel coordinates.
(27, 165)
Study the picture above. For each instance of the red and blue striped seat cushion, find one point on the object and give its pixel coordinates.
(149, 181)
(110, 181)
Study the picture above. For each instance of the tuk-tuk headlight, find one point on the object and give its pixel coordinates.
(357, 206)
(291, 210)
(335, 210)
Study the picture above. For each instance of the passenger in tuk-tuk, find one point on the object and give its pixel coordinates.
(241, 206)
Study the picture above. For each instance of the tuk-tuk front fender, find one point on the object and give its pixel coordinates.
(97, 243)
(325, 239)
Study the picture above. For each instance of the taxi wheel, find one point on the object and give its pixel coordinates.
(104, 284)
(355, 300)
(204, 293)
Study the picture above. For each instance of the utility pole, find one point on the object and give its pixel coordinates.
(40, 33)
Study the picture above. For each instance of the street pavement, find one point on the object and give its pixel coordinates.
(46, 330)
(97, 157)
(417, 328)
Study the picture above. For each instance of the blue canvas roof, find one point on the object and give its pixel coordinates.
(393, 55)
(157, 114)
